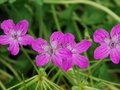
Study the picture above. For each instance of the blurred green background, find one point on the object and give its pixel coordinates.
(45, 17)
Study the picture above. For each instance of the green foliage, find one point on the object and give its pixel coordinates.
(45, 17)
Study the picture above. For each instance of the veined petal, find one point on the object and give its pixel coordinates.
(115, 30)
(14, 48)
(42, 59)
(115, 55)
(56, 37)
(67, 63)
(22, 27)
(69, 39)
(83, 46)
(101, 52)
(40, 45)
(7, 25)
(57, 59)
(4, 39)
(100, 35)
(26, 40)
(64, 52)
(81, 61)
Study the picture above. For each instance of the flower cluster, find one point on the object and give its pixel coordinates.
(109, 44)
(63, 51)
(62, 48)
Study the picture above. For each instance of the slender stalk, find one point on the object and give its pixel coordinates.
(30, 60)
(55, 17)
(56, 75)
(5, 73)
(8, 59)
(2, 86)
(53, 84)
(77, 30)
(87, 2)
(44, 86)
(36, 88)
(11, 68)
(29, 83)
(96, 64)
(98, 79)
(94, 61)
(22, 82)
(47, 85)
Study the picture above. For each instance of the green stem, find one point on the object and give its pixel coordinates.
(29, 83)
(36, 88)
(5, 73)
(55, 17)
(30, 60)
(56, 75)
(44, 86)
(96, 64)
(94, 4)
(22, 82)
(11, 68)
(53, 84)
(8, 59)
(2, 86)
(47, 85)
(94, 61)
(98, 79)
(77, 30)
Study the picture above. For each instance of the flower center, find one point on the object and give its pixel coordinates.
(49, 50)
(113, 42)
(112, 45)
(15, 36)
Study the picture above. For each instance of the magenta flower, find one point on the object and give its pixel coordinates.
(15, 35)
(76, 49)
(48, 51)
(109, 44)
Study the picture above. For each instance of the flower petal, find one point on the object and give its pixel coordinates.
(56, 37)
(7, 25)
(42, 59)
(40, 45)
(115, 30)
(57, 59)
(22, 27)
(64, 52)
(101, 52)
(26, 40)
(67, 64)
(69, 39)
(14, 48)
(100, 35)
(4, 39)
(115, 55)
(83, 46)
(81, 61)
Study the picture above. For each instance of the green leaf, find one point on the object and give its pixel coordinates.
(68, 12)
(40, 2)
(93, 16)
(2, 1)
(11, 1)
(103, 72)
(117, 2)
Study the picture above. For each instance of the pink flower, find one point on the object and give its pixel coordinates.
(15, 35)
(48, 51)
(109, 44)
(76, 49)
